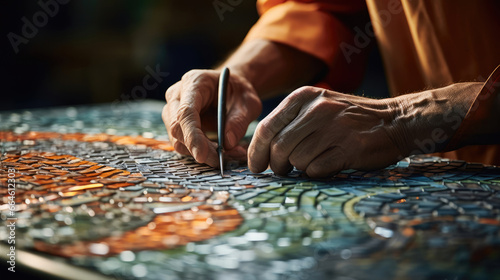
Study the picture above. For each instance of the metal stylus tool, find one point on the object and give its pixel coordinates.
(221, 115)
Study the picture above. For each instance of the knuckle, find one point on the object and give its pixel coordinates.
(263, 130)
(171, 91)
(197, 76)
(320, 105)
(175, 128)
(191, 74)
(297, 94)
(184, 112)
(304, 92)
(273, 123)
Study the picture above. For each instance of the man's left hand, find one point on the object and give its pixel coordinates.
(322, 132)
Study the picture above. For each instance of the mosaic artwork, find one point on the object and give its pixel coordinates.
(101, 188)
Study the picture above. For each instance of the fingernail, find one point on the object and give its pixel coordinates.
(195, 152)
(231, 139)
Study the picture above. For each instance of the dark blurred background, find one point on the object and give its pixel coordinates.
(95, 51)
(91, 51)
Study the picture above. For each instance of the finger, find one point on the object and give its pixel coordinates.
(240, 114)
(236, 153)
(180, 148)
(169, 113)
(307, 136)
(328, 163)
(269, 127)
(188, 118)
(312, 146)
(174, 131)
(167, 117)
(213, 157)
(289, 138)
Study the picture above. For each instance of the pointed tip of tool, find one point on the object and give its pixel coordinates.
(221, 166)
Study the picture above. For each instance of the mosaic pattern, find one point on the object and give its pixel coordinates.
(100, 188)
(88, 199)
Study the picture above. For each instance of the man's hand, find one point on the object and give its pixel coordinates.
(191, 110)
(323, 132)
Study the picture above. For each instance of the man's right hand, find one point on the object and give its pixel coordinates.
(191, 110)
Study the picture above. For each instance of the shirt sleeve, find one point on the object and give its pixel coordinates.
(484, 107)
(319, 28)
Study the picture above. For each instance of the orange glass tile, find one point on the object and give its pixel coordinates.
(135, 180)
(109, 173)
(85, 187)
(42, 177)
(55, 157)
(70, 193)
(164, 232)
(108, 181)
(55, 162)
(91, 169)
(77, 168)
(93, 174)
(121, 140)
(72, 181)
(48, 167)
(119, 185)
(28, 161)
(22, 168)
(105, 169)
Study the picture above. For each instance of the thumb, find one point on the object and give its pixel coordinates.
(239, 116)
(244, 106)
(236, 127)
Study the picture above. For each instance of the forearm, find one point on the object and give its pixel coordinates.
(425, 122)
(273, 68)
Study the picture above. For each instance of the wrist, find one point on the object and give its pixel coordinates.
(274, 68)
(425, 122)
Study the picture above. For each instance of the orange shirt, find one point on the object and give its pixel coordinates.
(424, 44)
